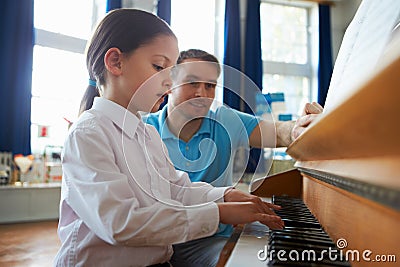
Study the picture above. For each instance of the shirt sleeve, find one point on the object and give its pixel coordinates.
(183, 189)
(249, 121)
(239, 125)
(101, 196)
(192, 193)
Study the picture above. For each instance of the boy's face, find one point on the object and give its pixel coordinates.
(193, 88)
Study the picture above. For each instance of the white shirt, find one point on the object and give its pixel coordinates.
(122, 201)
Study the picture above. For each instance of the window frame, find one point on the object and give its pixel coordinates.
(59, 41)
(309, 69)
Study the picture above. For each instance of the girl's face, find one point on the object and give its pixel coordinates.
(145, 75)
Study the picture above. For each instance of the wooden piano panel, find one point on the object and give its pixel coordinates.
(285, 183)
(357, 146)
(364, 224)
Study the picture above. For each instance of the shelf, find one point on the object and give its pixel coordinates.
(30, 186)
(34, 202)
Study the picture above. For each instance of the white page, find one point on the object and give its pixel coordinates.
(363, 46)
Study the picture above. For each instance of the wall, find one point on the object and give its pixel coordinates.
(342, 14)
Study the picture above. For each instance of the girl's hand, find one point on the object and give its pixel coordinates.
(234, 195)
(247, 212)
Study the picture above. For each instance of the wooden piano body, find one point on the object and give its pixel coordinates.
(348, 171)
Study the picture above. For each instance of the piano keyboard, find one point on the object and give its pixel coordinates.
(302, 242)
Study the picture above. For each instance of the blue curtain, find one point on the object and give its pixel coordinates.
(164, 10)
(16, 53)
(232, 53)
(325, 65)
(253, 68)
(113, 4)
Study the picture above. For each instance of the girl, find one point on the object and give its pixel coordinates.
(122, 202)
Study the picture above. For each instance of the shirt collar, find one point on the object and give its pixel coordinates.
(166, 133)
(205, 127)
(162, 120)
(123, 118)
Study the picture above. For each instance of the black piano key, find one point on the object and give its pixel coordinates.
(278, 244)
(305, 229)
(303, 240)
(301, 235)
(319, 232)
(295, 213)
(304, 220)
(289, 222)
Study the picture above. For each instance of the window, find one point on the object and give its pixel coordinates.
(59, 75)
(200, 24)
(193, 22)
(286, 43)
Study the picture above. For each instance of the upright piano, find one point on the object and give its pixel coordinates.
(348, 177)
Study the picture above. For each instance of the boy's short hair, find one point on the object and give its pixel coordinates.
(200, 55)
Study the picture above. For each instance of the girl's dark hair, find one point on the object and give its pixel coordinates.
(125, 29)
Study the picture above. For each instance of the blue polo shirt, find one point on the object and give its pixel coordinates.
(209, 156)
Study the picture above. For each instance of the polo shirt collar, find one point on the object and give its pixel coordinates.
(205, 127)
(165, 132)
(119, 115)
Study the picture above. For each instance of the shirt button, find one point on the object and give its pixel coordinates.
(187, 164)
(187, 148)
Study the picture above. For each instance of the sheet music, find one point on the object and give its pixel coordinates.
(363, 45)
